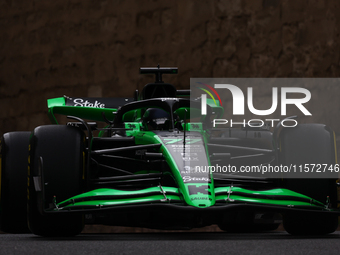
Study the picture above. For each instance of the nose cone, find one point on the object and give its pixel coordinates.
(188, 161)
(200, 194)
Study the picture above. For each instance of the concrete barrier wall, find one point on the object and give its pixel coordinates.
(94, 48)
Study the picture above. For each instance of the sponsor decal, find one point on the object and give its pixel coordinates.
(85, 103)
(140, 152)
(131, 125)
(194, 126)
(203, 189)
(200, 198)
(190, 159)
(189, 170)
(195, 179)
(170, 98)
(188, 154)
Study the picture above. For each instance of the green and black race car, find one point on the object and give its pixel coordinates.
(140, 169)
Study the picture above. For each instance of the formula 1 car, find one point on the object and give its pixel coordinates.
(138, 169)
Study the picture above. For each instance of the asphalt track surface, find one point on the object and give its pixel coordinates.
(172, 243)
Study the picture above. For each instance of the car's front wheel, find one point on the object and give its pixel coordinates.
(310, 144)
(56, 166)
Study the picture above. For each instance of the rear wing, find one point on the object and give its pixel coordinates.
(85, 107)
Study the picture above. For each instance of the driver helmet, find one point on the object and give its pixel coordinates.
(155, 118)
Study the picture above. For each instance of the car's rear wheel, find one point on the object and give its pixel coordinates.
(56, 160)
(310, 144)
(13, 177)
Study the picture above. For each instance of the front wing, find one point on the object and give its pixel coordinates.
(169, 198)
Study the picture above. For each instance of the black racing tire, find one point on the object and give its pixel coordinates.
(309, 224)
(61, 149)
(244, 222)
(249, 228)
(13, 185)
(309, 144)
